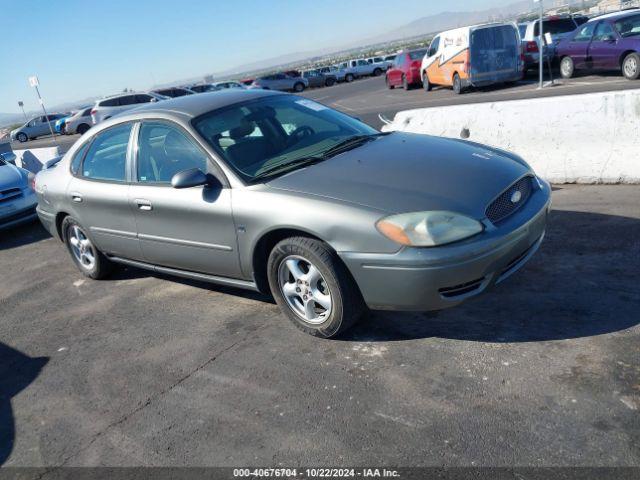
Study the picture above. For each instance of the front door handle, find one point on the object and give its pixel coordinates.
(76, 197)
(143, 204)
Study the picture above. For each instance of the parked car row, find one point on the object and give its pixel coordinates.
(487, 54)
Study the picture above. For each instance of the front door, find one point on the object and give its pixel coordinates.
(188, 229)
(98, 193)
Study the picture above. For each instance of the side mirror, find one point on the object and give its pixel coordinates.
(193, 177)
(153, 100)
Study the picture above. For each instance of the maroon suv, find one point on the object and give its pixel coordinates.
(607, 42)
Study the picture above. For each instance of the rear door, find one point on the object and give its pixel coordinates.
(188, 229)
(98, 193)
(578, 46)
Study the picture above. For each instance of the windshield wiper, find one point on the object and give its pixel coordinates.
(285, 167)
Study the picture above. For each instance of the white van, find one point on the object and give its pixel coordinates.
(473, 56)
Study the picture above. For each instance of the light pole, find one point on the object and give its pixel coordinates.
(541, 45)
(21, 105)
(33, 81)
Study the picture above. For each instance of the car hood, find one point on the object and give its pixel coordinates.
(404, 172)
(11, 177)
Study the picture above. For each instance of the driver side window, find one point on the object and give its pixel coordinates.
(435, 44)
(164, 150)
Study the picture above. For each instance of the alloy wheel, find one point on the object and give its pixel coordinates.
(304, 289)
(82, 248)
(631, 66)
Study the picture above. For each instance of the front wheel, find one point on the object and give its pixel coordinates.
(377, 72)
(82, 128)
(631, 66)
(426, 84)
(349, 77)
(567, 67)
(313, 288)
(89, 260)
(22, 137)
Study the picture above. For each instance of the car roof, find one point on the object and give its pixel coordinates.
(195, 105)
(616, 15)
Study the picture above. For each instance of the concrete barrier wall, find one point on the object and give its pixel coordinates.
(590, 138)
(34, 159)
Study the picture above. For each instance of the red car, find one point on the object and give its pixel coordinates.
(405, 71)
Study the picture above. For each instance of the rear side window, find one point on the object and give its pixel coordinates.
(107, 156)
(77, 158)
(112, 102)
(143, 98)
(628, 26)
(127, 100)
(417, 54)
(87, 112)
(585, 33)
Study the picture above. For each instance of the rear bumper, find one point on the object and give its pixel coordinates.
(48, 221)
(19, 211)
(423, 279)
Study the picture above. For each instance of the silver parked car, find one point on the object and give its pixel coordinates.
(282, 82)
(277, 193)
(36, 127)
(17, 198)
(79, 122)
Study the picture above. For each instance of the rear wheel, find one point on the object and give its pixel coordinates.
(22, 137)
(349, 77)
(377, 72)
(298, 87)
(89, 260)
(631, 66)
(82, 128)
(567, 67)
(405, 83)
(329, 82)
(313, 288)
(426, 84)
(457, 84)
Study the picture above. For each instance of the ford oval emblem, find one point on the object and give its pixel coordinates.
(516, 196)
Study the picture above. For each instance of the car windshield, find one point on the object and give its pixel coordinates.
(267, 135)
(628, 27)
(417, 54)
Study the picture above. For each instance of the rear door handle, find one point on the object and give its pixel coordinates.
(143, 204)
(76, 197)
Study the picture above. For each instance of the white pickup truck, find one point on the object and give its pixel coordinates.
(361, 68)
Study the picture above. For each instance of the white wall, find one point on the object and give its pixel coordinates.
(590, 138)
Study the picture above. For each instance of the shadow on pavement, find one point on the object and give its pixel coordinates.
(22, 235)
(582, 282)
(17, 371)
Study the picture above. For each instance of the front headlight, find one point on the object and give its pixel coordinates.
(428, 229)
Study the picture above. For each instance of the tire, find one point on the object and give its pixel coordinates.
(426, 84)
(567, 67)
(330, 82)
(333, 285)
(389, 86)
(22, 137)
(405, 84)
(298, 87)
(377, 72)
(81, 252)
(82, 128)
(457, 84)
(349, 78)
(631, 66)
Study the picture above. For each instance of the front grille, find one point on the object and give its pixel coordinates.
(461, 289)
(503, 206)
(9, 194)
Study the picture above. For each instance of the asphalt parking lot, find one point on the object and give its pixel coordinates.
(149, 370)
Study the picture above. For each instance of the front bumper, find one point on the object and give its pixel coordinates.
(423, 279)
(18, 211)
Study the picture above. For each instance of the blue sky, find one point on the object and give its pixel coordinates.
(88, 48)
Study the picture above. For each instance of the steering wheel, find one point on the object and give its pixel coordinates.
(300, 133)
